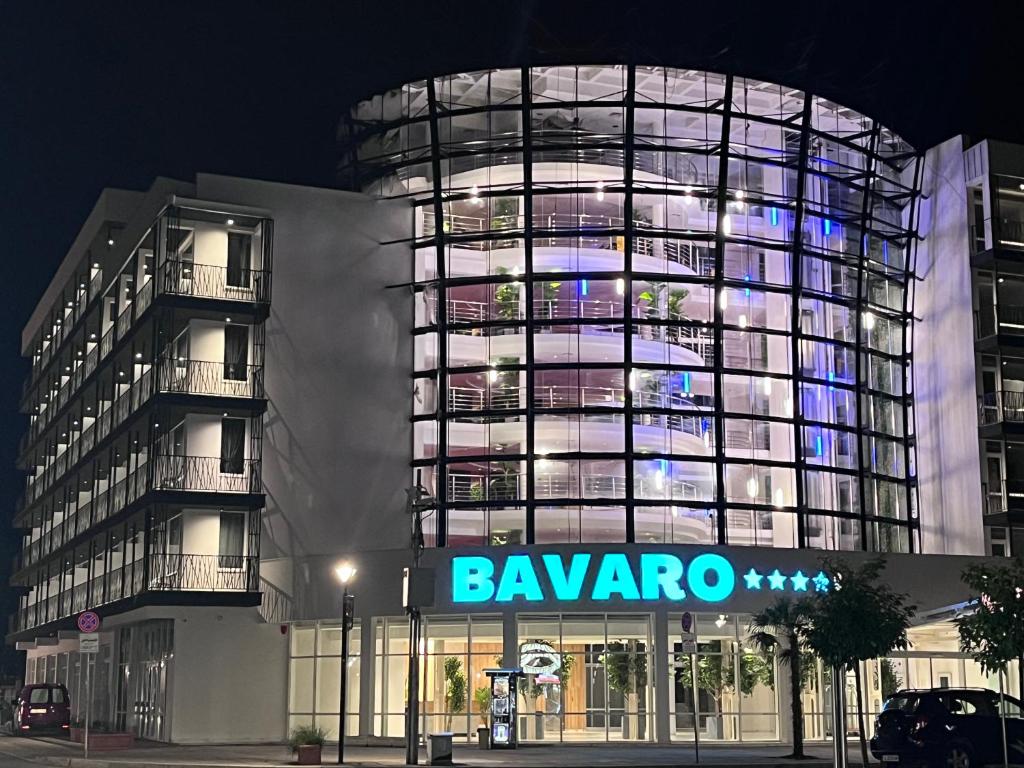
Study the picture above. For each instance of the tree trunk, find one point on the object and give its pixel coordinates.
(796, 705)
(860, 716)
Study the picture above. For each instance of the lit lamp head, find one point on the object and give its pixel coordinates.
(345, 573)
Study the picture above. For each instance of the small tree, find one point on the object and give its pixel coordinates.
(859, 619)
(993, 632)
(785, 619)
(626, 670)
(482, 699)
(454, 689)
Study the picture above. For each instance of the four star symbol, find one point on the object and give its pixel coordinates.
(777, 580)
(753, 579)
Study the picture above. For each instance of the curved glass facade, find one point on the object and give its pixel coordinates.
(652, 305)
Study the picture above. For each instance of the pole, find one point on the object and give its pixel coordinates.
(1002, 721)
(88, 701)
(839, 716)
(696, 708)
(344, 674)
(412, 740)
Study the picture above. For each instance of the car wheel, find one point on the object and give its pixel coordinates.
(959, 756)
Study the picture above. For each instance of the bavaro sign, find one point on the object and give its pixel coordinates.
(650, 576)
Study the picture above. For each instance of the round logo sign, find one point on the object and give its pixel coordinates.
(88, 621)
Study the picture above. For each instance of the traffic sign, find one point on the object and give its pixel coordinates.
(89, 642)
(689, 637)
(88, 621)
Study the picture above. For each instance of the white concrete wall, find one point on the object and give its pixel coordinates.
(229, 679)
(337, 441)
(206, 340)
(211, 244)
(948, 461)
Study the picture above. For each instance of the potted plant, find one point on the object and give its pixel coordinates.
(307, 742)
(482, 700)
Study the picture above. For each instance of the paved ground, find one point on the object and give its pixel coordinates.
(24, 752)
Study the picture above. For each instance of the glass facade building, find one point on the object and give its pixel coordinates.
(652, 305)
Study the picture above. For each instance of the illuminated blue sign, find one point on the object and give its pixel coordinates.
(708, 578)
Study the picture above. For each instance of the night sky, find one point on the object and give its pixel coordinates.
(112, 94)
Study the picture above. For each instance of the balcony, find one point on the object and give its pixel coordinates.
(1001, 407)
(210, 474)
(180, 376)
(205, 377)
(157, 573)
(207, 281)
(177, 278)
(170, 473)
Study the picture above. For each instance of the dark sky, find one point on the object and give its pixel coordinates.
(96, 94)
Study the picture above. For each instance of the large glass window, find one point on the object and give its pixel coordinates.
(314, 677)
(611, 329)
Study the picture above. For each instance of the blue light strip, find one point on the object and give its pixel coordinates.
(584, 287)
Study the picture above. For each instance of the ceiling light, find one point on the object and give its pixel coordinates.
(231, 222)
(110, 241)
(227, 319)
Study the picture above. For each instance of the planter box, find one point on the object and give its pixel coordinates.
(103, 742)
(308, 754)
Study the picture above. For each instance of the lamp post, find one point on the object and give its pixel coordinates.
(345, 572)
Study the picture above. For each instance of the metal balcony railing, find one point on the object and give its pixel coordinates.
(1000, 406)
(205, 377)
(511, 487)
(166, 572)
(199, 377)
(206, 473)
(203, 573)
(187, 278)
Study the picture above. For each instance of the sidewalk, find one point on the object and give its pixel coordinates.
(61, 754)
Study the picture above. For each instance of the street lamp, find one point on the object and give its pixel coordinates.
(345, 573)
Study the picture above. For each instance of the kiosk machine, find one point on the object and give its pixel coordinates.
(503, 707)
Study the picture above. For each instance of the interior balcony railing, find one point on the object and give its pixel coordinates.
(1011, 233)
(175, 572)
(511, 487)
(545, 396)
(208, 281)
(1001, 406)
(1008, 494)
(207, 473)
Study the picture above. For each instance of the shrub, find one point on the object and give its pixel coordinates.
(306, 735)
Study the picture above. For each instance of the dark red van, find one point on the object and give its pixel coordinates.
(40, 707)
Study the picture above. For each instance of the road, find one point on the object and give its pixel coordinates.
(13, 751)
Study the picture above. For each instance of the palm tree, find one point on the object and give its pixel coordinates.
(785, 619)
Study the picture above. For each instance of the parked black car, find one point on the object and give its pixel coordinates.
(42, 706)
(948, 727)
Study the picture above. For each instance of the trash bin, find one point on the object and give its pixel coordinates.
(483, 737)
(439, 749)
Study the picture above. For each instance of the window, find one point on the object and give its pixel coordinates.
(239, 259)
(232, 540)
(236, 352)
(57, 696)
(39, 696)
(232, 446)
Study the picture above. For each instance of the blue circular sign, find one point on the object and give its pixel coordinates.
(88, 621)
